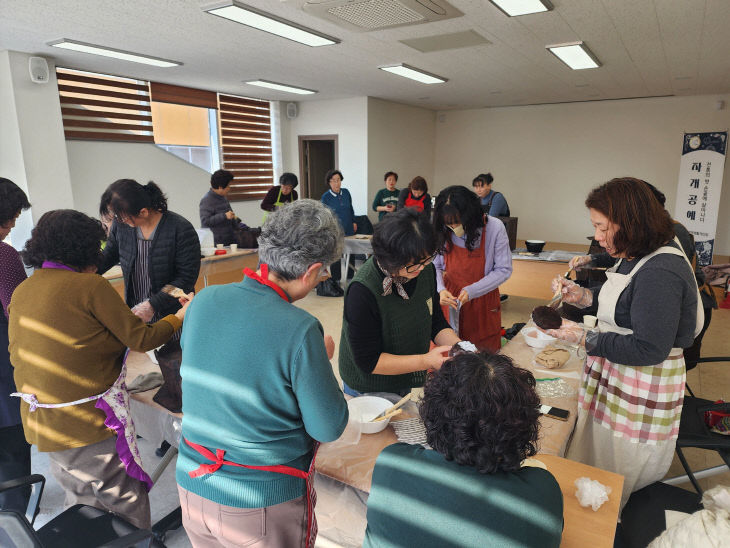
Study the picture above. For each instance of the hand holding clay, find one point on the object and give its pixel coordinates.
(569, 331)
(447, 299)
(572, 292)
(580, 260)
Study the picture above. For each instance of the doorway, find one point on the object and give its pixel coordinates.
(317, 155)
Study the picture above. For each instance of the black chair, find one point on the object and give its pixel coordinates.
(642, 519)
(79, 526)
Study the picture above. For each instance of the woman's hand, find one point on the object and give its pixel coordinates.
(144, 311)
(230, 215)
(580, 260)
(572, 293)
(329, 344)
(435, 357)
(463, 296)
(185, 302)
(569, 331)
(354, 227)
(447, 299)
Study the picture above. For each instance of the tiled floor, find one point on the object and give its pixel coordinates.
(710, 381)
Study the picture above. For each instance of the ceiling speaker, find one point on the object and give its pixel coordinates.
(291, 110)
(38, 68)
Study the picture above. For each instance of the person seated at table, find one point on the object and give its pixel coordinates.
(493, 203)
(153, 245)
(476, 486)
(386, 200)
(416, 196)
(391, 312)
(257, 398)
(282, 194)
(14, 450)
(474, 261)
(648, 310)
(69, 332)
(216, 212)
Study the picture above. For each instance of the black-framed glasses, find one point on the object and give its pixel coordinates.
(423, 264)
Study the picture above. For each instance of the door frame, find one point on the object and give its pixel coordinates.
(302, 138)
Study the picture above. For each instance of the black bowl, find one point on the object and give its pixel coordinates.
(534, 246)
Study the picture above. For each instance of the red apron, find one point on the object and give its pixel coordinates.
(480, 320)
(217, 458)
(416, 203)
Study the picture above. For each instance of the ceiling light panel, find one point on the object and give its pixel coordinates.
(246, 15)
(280, 87)
(575, 54)
(115, 53)
(414, 74)
(513, 8)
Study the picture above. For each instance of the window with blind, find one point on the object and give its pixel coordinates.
(245, 127)
(102, 107)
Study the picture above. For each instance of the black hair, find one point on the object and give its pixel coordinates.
(126, 197)
(290, 179)
(658, 194)
(418, 183)
(12, 201)
(221, 178)
(481, 410)
(388, 174)
(483, 178)
(402, 238)
(331, 173)
(458, 204)
(65, 236)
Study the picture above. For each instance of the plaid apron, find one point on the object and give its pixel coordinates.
(628, 416)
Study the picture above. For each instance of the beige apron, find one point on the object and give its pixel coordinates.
(628, 416)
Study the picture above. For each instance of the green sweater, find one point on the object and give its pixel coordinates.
(406, 330)
(418, 498)
(383, 198)
(257, 383)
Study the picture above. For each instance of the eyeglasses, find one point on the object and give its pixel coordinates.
(423, 264)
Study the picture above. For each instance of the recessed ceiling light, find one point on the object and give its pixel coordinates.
(575, 54)
(280, 87)
(116, 53)
(413, 73)
(513, 8)
(251, 17)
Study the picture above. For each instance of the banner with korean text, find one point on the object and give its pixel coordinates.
(698, 192)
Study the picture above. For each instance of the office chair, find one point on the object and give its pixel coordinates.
(79, 526)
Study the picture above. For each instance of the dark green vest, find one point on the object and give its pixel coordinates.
(406, 329)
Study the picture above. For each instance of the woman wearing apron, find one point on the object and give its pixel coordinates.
(277, 196)
(69, 332)
(649, 308)
(475, 261)
(259, 393)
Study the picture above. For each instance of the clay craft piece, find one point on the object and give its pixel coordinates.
(552, 358)
(546, 317)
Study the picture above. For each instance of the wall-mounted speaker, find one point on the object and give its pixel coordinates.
(291, 110)
(38, 68)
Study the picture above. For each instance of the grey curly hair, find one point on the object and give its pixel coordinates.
(298, 235)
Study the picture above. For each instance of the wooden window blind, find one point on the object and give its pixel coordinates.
(101, 107)
(245, 129)
(167, 93)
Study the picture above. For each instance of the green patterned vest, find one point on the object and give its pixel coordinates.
(405, 328)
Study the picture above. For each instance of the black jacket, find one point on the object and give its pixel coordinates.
(213, 208)
(174, 258)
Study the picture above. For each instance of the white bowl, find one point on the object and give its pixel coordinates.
(207, 251)
(536, 338)
(365, 408)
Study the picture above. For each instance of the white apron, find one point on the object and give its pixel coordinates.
(628, 416)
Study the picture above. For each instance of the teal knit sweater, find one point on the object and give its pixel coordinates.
(256, 383)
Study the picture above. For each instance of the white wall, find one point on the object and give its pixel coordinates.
(547, 158)
(346, 118)
(95, 165)
(401, 138)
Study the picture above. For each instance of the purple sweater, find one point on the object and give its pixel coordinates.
(497, 264)
(12, 274)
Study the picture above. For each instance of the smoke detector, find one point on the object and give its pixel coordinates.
(368, 15)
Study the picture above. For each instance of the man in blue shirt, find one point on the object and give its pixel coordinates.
(493, 202)
(338, 199)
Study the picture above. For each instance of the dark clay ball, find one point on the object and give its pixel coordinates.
(547, 318)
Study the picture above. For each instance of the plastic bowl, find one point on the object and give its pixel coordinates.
(365, 408)
(536, 338)
(534, 246)
(207, 251)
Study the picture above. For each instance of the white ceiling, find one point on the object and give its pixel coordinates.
(646, 47)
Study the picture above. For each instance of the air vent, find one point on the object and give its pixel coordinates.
(368, 15)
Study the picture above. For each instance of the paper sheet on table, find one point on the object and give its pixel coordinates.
(566, 374)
